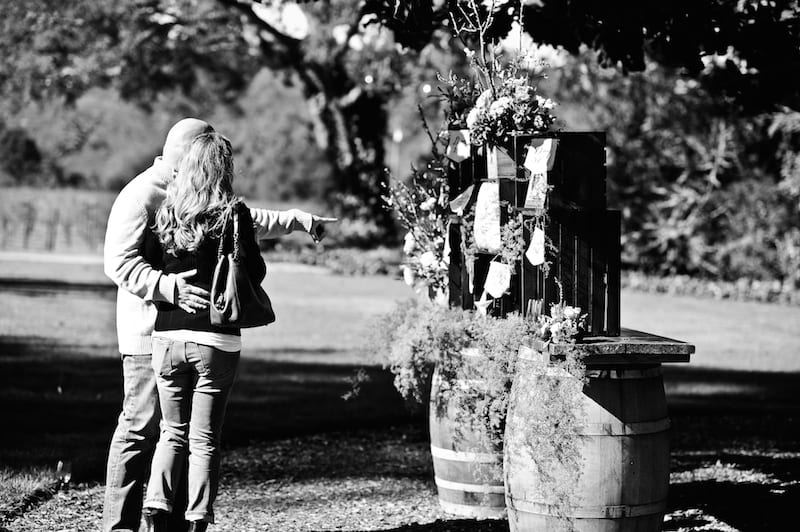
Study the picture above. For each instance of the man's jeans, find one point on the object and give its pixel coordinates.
(194, 382)
(132, 446)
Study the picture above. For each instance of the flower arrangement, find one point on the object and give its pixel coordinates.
(422, 207)
(564, 325)
(511, 104)
(502, 100)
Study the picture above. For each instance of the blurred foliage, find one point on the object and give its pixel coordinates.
(697, 98)
(705, 189)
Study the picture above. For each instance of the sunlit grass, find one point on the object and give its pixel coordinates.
(16, 484)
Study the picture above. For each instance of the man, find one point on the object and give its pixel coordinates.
(130, 248)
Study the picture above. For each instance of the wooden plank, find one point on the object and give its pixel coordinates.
(629, 342)
(529, 275)
(598, 282)
(566, 252)
(634, 360)
(548, 284)
(454, 273)
(613, 272)
(481, 269)
(583, 265)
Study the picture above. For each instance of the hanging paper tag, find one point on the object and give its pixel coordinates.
(487, 218)
(482, 305)
(458, 205)
(458, 145)
(498, 279)
(537, 192)
(491, 163)
(535, 252)
(541, 155)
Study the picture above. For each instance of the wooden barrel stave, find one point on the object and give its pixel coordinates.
(624, 449)
(468, 470)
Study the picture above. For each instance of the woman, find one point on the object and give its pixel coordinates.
(195, 362)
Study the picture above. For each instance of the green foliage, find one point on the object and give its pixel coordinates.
(20, 158)
(481, 375)
(697, 180)
(417, 335)
(547, 425)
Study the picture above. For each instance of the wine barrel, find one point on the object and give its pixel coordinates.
(624, 453)
(468, 469)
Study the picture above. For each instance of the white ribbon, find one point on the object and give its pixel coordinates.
(498, 279)
(487, 218)
(458, 145)
(460, 202)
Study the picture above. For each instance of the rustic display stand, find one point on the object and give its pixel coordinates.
(584, 232)
(623, 445)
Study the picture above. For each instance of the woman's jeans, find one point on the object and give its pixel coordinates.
(194, 382)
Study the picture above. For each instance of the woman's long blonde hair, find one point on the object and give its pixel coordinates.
(200, 197)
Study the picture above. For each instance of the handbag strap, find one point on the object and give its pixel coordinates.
(236, 247)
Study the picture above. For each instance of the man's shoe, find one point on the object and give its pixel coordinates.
(156, 520)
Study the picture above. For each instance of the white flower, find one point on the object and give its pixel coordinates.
(408, 275)
(572, 312)
(545, 103)
(484, 99)
(409, 243)
(472, 117)
(356, 43)
(340, 33)
(427, 259)
(499, 106)
(555, 328)
(428, 204)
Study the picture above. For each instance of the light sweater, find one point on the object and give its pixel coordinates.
(131, 247)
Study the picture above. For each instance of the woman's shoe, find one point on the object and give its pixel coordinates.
(156, 520)
(198, 526)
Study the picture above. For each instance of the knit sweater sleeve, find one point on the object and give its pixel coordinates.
(274, 224)
(123, 262)
(256, 268)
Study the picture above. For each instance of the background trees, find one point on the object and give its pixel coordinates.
(697, 97)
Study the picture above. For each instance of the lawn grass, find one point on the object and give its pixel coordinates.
(60, 379)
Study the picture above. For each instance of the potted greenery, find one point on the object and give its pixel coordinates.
(468, 358)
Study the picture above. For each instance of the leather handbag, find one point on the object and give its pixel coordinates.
(237, 301)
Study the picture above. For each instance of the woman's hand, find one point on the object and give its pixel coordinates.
(317, 229)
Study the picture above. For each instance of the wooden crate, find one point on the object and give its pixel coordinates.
(586, 234)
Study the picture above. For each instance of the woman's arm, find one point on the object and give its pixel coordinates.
(254, 262)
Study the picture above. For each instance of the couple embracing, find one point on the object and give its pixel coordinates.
(161, 248)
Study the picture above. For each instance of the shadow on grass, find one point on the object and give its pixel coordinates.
(56, 404)
(746, 425)
(60, 403)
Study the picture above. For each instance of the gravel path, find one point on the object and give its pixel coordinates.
(362, 481)
(381, 480)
